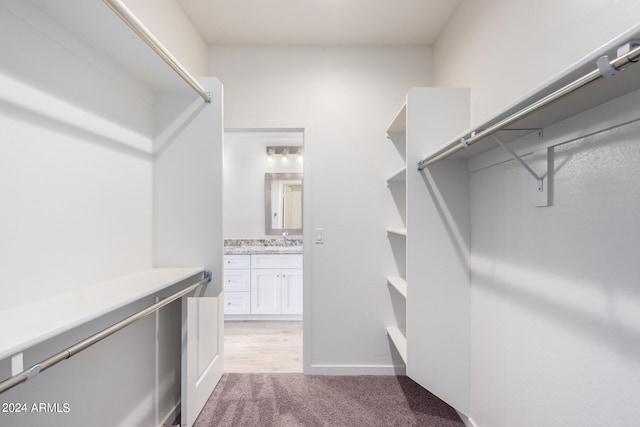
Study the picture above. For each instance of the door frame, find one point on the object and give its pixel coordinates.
(307, 225)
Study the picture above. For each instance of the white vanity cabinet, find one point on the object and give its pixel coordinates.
(276, 291)
(276, 284)
(237, 284)
(263, 285)
(291, 279)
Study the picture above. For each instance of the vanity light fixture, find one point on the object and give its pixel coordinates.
(285, 153)
(299, 154)
(269, 154)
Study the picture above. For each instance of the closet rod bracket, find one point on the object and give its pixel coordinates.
(541, 197)
(538, 178)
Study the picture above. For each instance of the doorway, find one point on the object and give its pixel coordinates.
(263, 237)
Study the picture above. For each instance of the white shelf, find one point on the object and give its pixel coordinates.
(398, 231)
(399, 340)
(599, 92)
(399, 284)
(400, 176)
(399, 124)
(30, 324)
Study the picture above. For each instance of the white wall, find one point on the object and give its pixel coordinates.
(171, 26)
(503, 49)
(345, 98)
(244, 169)
(554, 326)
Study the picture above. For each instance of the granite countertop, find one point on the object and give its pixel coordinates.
(262, 246)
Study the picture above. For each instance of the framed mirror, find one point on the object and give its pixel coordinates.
(283, 203)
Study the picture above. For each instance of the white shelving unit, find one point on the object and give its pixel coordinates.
(397, 184)
(435, 340)
(81, 85)
(432, 335)
(47, 318)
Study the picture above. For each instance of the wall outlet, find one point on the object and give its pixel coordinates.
(17, 364)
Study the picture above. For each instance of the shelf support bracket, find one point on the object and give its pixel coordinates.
(524, 164)
(542, 198)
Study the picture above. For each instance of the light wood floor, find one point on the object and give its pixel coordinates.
(256, 346)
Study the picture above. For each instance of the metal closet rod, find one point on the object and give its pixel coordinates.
(93, 339)
(136, 25)
(617, 64)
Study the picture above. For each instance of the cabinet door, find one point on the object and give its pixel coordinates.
(266, 291)
(291, 290)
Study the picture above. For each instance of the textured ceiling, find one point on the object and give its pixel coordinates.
(319, 22)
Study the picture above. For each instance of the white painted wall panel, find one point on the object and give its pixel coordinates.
(438, 295)
(554, 300)
(187, 189)
(345, 98)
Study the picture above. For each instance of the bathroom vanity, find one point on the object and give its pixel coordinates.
(264, 280)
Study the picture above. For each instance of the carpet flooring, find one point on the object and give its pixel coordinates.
(292, 399)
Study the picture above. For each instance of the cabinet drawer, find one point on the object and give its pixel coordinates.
(237, 261)
(237, 280)
(276, 261)
(237, 303)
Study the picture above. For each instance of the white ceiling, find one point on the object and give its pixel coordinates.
(319, 22)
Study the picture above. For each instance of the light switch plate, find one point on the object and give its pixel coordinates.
(319, 239)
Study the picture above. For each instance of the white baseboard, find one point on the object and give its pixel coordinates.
(355, 370)
(262, 317)
(172, 415)
(468, 422)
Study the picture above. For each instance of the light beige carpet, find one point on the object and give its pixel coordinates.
(285, 400)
